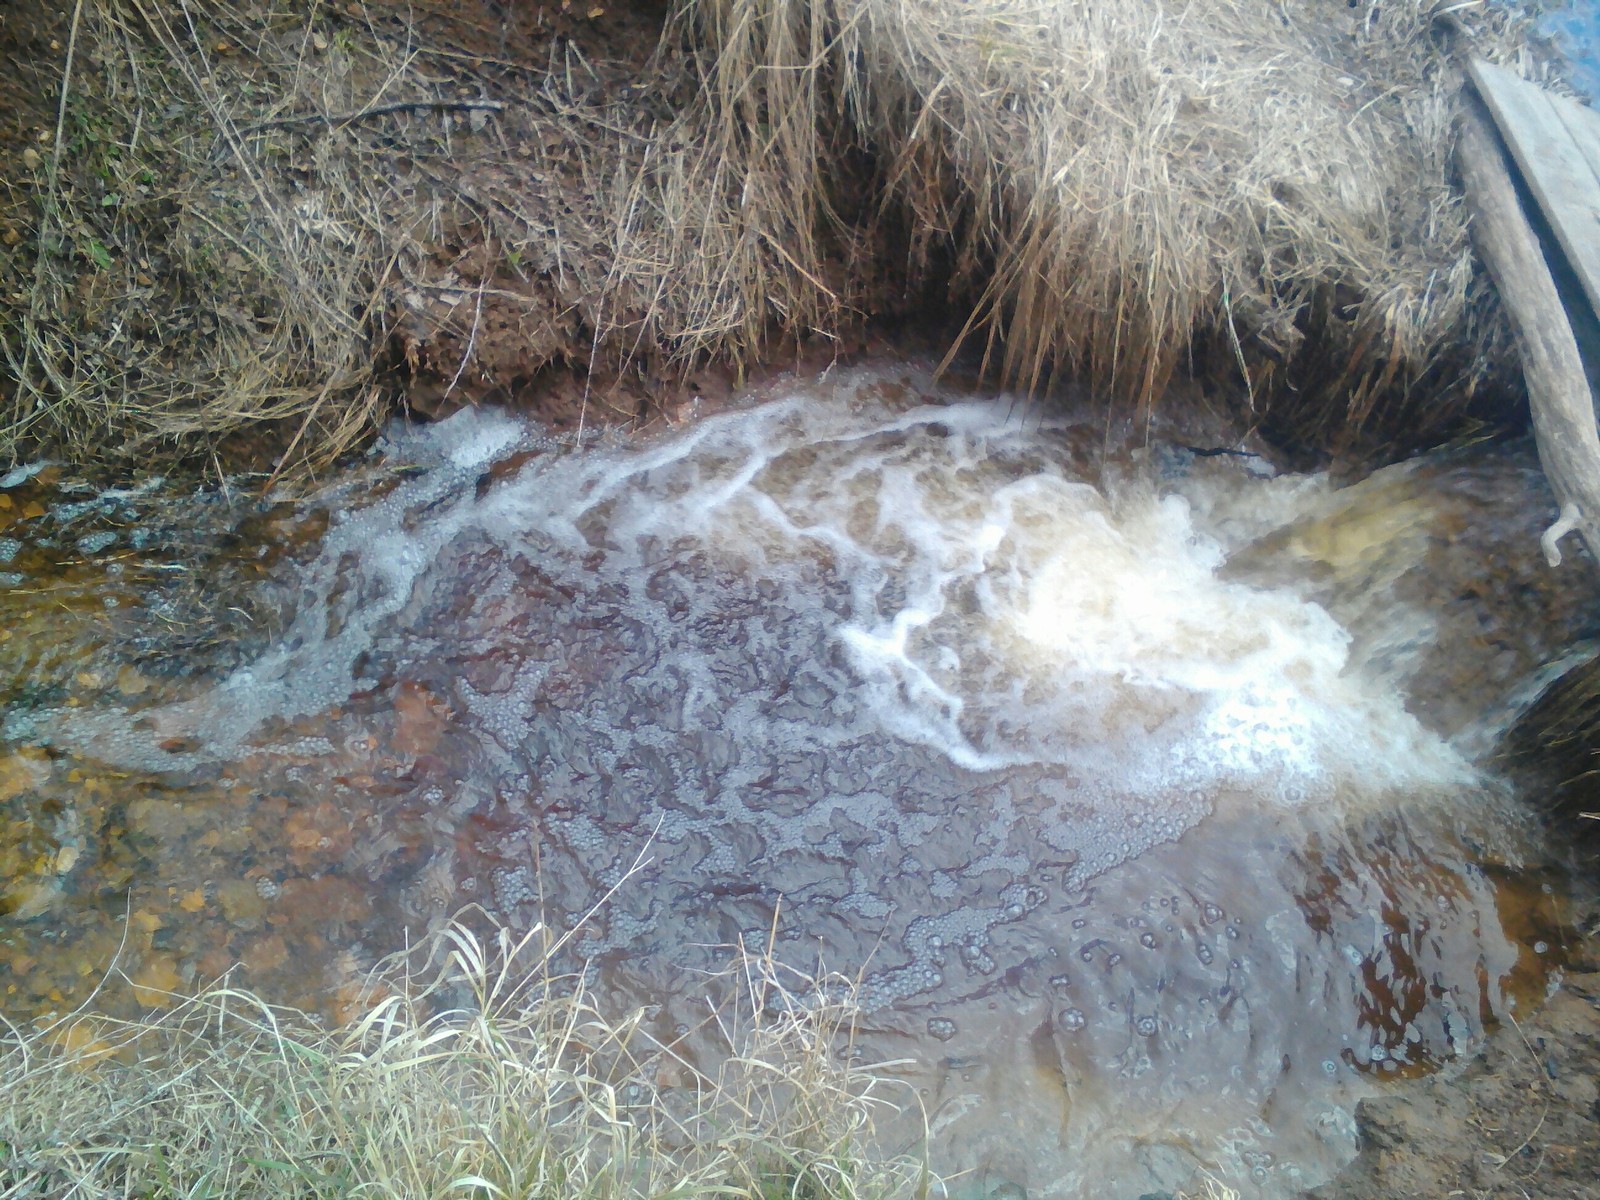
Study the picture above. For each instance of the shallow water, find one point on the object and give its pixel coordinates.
(1139, 787)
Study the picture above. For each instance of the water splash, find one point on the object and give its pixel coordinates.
(1137, 851)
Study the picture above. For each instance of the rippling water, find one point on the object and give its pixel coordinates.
(1138, 786)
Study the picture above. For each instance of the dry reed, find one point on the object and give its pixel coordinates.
(493, 1080)
(279, 215)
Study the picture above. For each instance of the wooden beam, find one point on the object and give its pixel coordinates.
(1556, 144)
(1558, 386)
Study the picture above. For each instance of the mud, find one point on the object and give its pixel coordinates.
(1521, 1119)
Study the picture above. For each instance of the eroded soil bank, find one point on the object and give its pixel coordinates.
(219, 218)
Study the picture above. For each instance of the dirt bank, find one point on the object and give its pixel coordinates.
(223, 220)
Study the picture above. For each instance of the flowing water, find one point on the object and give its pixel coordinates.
(1140, 788)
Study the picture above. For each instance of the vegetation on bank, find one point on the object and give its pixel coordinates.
(489, 1079)
(218, 218)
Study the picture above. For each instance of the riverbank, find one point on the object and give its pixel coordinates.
(249, 234)
(1516, 1121)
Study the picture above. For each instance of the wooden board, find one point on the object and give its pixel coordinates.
(1556, 144)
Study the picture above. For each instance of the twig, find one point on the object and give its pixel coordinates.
(377, 110)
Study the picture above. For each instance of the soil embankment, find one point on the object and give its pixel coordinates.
(223, 220)
(1520, 1120)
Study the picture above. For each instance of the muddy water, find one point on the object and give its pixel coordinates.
(1139, 788)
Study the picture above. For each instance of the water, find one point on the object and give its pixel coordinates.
(1139, 789)
(1574, 26)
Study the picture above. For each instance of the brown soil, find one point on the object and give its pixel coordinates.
(1521, 1121)
(480, 249)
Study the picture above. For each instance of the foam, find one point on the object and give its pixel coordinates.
(926, 671)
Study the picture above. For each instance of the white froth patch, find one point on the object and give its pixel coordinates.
(1132, 596)
(1002, 607)
(475, 437)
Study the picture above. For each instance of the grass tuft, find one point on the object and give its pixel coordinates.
(481, 1075)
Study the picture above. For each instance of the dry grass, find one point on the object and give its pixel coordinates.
(1553, 750)
(246, 214)
(1109, 181)
(494, 1080)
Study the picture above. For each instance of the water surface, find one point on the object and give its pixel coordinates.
(1137, 787)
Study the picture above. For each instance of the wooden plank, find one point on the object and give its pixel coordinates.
(1557, 147)
(1583, 125)
(1558, 388)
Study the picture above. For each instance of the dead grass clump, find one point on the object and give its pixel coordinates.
(246, 211)
(177, 288)
(1115, 181)
(1553, 751)
(494, 1080)
(249, 215)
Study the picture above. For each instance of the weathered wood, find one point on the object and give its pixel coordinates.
(1583, 124)
(1558, 388)
(1556, 143)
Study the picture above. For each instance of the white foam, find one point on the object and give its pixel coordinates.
(1000, 603)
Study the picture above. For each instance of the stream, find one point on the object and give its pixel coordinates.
(1144, 791)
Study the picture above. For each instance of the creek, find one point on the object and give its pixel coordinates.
(1145, 792)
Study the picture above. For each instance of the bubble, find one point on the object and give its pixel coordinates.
(1329, 1067)
(1540, 947)
(1147, 940)
(1145, 1026)
(942, 1028)
(1233, 932)
(1061, 982)
(1211, 913)
(1203, 953)
(1072, 1019)
(1377, 1054)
